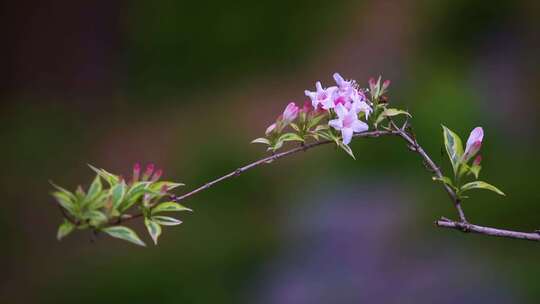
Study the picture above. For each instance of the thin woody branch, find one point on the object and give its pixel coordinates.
(462, 225)
(496, 232)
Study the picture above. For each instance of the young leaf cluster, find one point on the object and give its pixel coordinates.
(465, 166)
(110, 197)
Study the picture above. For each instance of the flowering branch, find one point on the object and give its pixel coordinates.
(334, 115)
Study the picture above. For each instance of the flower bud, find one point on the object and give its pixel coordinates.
(270, 129)
(290, 113)
(385, 85)
(474, 143)
(156, 175)
(307, 108)
(136, 172)
(373, 86)
(148, 172)
(477, 160)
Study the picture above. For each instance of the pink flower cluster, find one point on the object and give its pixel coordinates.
(342, 104)
(347, 101)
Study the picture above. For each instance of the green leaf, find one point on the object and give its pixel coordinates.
(445, 180)
(395, 112)
(94, 190)
(124, 233)
(290, 137)
(79, 193)
(99, 201)
(389, 113)
(165, 220)
(454, 148)
(480, 185)
(261, 140)
(64, 229)
(475, 170)
(109, 177)
(347, 149)
(135, 192)
(314, 121)
(95, 217)
(66, 202)
(118, 192)
(66, 192)
(327, 134)
(157, 186)
(154, 229)
(169, 207)
(321, 127)
(295, 127)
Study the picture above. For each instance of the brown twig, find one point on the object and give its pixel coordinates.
(255, 164)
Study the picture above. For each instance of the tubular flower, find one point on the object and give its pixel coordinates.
(323, 97)
(347, 122)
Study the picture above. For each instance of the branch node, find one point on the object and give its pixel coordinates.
(464, 226)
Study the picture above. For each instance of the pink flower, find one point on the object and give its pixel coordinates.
(347, 122)
(290, 113)
(473, 143)
(343, 85)
(322, 96)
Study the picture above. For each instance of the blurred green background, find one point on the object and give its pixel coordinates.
(188, 85)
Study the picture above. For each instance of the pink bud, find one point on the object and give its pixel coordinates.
(136, 172)
(156, 175)
(290, 113)
(477, 160)
(148, 172)
(308, 107)
(472, 150)
(474, 143)
(270, 129)
(386, 84)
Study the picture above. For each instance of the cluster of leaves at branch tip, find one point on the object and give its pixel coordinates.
(105, 205)
(333, 113)
(465, 164)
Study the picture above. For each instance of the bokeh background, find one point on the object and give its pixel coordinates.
(188, 84)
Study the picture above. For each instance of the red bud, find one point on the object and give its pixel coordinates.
(477, 160)
(148, 172)
(157, 175)
(136, 172)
